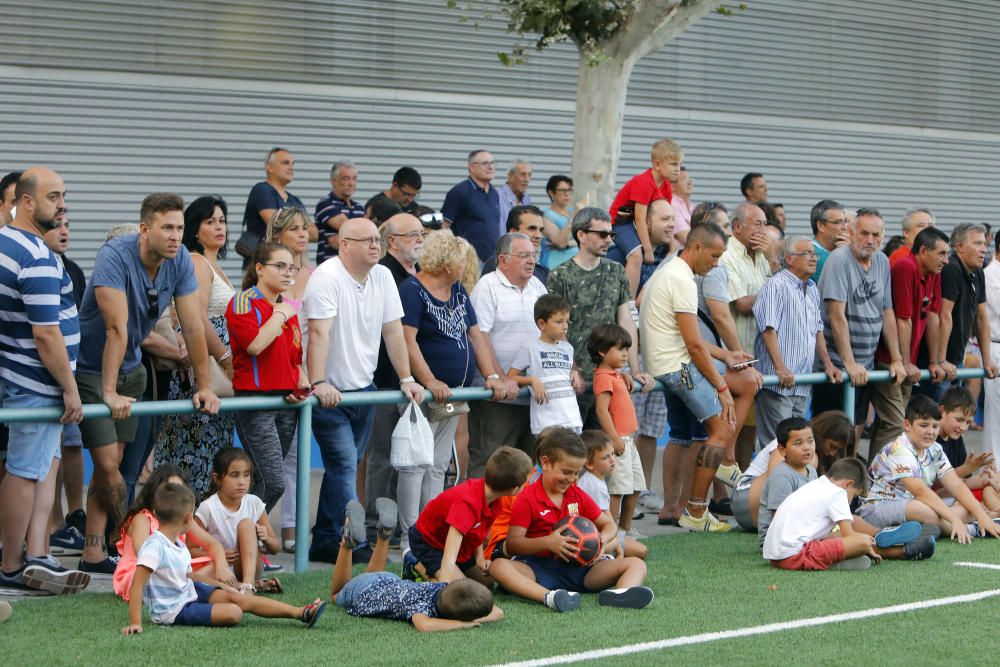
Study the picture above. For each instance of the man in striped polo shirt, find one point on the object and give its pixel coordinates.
(39, 340)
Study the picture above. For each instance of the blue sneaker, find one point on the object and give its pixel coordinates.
(921, 548)
(899, 535)
(409, 563)
(66, 542)
(14, 580)
(269, 567)
(40, 574)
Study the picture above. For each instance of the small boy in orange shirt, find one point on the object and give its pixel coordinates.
(608, 346)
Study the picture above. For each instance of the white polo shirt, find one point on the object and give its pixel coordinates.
(358, 311)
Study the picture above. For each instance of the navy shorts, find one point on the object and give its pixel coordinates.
(684, 428)
(626, 238)
(552, 573)
(428, 556)
(197, 612)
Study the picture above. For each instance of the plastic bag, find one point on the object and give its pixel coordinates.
(412, 440)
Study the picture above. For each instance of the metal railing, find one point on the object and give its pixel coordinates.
(302, 495)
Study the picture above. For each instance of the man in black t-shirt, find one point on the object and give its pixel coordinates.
(405, 188)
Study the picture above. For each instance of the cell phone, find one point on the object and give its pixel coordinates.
(745, 364)
(303, 392)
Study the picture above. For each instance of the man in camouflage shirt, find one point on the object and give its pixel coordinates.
(598, 293)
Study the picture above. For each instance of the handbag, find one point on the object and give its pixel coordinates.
(412, 440)
(247, 243)
(166, 326)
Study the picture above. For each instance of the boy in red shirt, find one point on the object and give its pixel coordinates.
(608, 346)
(446, 543)
(628, 210)
(540, 568)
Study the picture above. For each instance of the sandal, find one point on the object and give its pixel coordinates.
(270, 586)
(247, 589)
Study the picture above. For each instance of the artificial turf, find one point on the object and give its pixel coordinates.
(703, 583)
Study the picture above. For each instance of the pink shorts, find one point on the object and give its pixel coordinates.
(815, 555)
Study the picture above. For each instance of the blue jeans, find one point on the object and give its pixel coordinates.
(342, 434)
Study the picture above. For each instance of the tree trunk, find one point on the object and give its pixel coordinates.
(600, 111)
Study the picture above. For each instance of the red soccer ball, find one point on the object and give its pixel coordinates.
(588, 538)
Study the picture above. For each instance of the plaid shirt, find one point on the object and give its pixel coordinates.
(793, 313)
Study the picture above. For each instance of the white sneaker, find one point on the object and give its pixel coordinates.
(635, 534)
(729, 475)
(651, 500)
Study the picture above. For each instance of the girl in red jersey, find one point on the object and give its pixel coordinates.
(267, 361)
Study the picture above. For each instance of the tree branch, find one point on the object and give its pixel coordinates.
(657, 22)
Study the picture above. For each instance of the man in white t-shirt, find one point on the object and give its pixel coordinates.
(504, 301)
(351, 301)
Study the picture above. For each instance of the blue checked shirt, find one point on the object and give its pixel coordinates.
(793, 313)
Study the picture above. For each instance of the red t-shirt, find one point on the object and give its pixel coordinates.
(534, 511)
(464, 507)
(621, 408)
(912, 299)
(640, 190)
(899, 253)
(276, 368)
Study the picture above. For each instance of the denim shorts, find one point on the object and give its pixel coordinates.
(359, 584)
(72, 436)
(31, 446)
(626, 238)
(197, 612)
(553, 574)
(700, 397)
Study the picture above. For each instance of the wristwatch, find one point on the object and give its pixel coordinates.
(407, 379)
(492, 376)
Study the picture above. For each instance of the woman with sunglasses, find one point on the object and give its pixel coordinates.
(267, 359)
(190, 442)
(291, 228)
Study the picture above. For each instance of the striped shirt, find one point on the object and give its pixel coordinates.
(794, 314)
(168, 589)
(747, 275)
(35, 290)
(506, 314)
(865, 295)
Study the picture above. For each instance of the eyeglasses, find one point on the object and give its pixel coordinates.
(411, 195)
(923, 307)
(840, 222)
(370, 241)
(485, 163)
(153, 301)
(521, 255)
(564, 190)
(412, 235)
(600, 232)
(807, 253)
(285, 269)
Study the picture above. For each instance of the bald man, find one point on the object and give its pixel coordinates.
(350, 304)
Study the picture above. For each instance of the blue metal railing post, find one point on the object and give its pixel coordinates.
(302, 494)
(849, 398)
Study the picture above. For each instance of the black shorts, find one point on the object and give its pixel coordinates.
(430, 557)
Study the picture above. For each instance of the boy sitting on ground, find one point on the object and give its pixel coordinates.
(958, 409)
(430, 607)
(800, 535)
(163, 578)
(798, 448)
(904, 472)
(541, 568)
(600, 463)
(446, 543)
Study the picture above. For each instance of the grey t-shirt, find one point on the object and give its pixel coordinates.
(865, 295)
(119, 266)
(781, 483)
(715, 286)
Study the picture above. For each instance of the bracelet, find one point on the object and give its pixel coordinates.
(317, 382)
(228, 354)
(722, 388)
(285, 317)
(408, 379)
(492, 376)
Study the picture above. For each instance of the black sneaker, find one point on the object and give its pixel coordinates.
(77, 519)
(921, 548)
(57, 582)
(362, 554)
(14, 580)
(562, 600)
(723, 507)
(324, 553)
(105, 568)
(635, 597)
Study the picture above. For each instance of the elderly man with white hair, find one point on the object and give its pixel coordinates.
(515, 191)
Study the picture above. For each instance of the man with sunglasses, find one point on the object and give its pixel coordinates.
(916, 301)
(271, 194)
(135, 277)
(857, 298)
(598, 293)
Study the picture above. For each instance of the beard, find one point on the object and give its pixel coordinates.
(49, 223)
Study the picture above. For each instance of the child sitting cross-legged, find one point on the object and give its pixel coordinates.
(446, 542)
(429, 606)
(600, 463)
(905, 471)
(797, 447)
(801, 534)
(540, 568)
(164, 581)
(977, 471)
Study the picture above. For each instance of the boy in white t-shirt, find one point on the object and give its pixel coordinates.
(593, 481)
(546, 365)
(801, 536)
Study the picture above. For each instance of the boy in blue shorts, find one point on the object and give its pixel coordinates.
(164, 581)
(430, 607)
(540, 568)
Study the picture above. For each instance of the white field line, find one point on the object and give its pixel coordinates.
(984, 566)
(755, 630)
